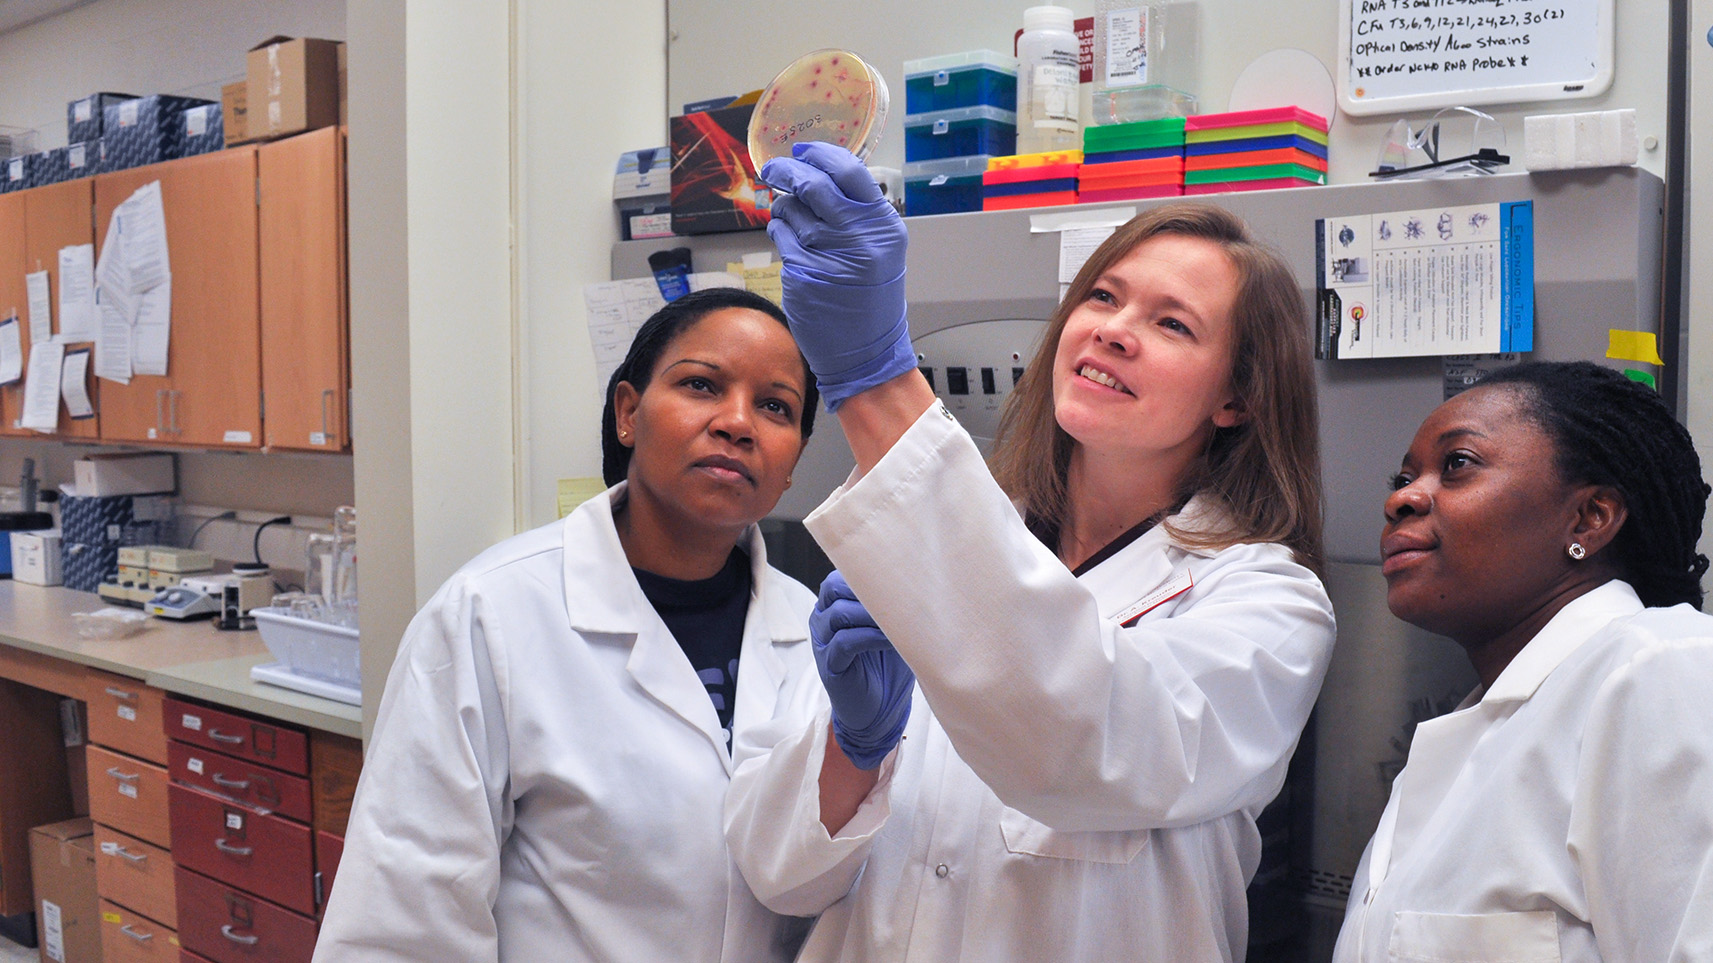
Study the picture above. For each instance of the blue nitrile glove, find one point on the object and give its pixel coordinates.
(843, 246)
(866, 678)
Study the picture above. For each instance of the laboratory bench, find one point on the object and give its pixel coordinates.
(219, 804)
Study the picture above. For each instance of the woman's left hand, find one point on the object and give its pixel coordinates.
(843, 247)
(867, 680)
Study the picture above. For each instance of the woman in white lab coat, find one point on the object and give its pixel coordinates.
(547, 769)
(1113, 669)
(1547, 520)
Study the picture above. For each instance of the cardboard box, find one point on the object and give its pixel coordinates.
(62, 865)
(22, 172)
(204, 130)
(36, 557)
(713, 181)
(233, 114)
(146, 130)
(70, 162)
(292, 86)
(140, 473)
(85, 117)
(95, 526)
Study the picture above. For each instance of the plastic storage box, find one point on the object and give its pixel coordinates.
(947, 186)
(970, 79)
(319, 652)
(959, 133)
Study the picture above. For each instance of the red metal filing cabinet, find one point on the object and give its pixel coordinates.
(228, 925)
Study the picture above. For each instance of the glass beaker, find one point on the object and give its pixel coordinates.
(318, 566)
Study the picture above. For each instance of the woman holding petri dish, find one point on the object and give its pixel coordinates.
(546, 773)
(1546, 520)
(1115, 643)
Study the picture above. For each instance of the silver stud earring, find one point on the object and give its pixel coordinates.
(1576, 551)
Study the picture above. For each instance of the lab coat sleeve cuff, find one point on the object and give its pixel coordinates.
(773, 826)
(925, 447)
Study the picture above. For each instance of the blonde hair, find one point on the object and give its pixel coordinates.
(1265, 472)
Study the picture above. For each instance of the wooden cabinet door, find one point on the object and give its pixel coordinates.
(57, 216)
(211, 395)
(305, 369)
(13, 299)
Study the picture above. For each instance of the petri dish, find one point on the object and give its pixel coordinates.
(827, 95)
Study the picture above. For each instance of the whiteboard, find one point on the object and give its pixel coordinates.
(1403, 55)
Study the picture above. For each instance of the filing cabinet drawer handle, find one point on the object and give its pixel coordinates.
(120, 693)
(224, 783)
(125, 776)
(133, 934)
(226, 931)
(230, 740)
(133, 857)
(227, 848)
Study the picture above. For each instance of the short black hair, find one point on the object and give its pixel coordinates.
(1610, 430)
(651, 342)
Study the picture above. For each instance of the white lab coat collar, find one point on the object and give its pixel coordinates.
(1562, 635)
(1141, 567)
(602, 597)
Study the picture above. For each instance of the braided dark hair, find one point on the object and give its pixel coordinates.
(651, 341)
(1609, 430)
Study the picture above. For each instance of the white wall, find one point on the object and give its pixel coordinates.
(187, 47)
(721, 47)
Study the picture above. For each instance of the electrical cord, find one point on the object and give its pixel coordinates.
(223, 516)
(256, 545)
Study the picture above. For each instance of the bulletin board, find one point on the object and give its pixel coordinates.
(1397, 56)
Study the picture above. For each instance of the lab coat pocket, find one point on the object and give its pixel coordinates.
(1027, 837)
(1477, 938)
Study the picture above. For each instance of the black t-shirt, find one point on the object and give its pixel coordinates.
(706, 616)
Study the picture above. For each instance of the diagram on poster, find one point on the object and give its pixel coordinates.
(1436, 281)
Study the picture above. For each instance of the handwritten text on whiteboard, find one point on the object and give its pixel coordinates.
(1404, 47)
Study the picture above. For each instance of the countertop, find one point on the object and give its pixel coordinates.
(186, 658)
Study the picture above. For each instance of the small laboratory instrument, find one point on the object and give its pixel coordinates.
(183, 603)
(827, 95)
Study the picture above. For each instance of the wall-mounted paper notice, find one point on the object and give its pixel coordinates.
(1076, 244)
(142, 221)
(41, 306)
(1447, 280)
(77, 320)
(113, 348)
(11, 352)
(41, 387)
(73, 384)
(150, 336)
(616, 310)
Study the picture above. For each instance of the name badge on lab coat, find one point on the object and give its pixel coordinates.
(1174, 587)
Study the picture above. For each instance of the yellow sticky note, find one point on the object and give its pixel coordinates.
(1633, 346)
(763, 280)
(576, 491)
(112, 918)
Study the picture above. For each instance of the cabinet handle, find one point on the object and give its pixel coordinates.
(231, 850)
(224, 783)
(172, 411)
(219, 736)
(326, 396)
(126, 776)
(133, 857)
(226, 931)
(121, 694)
(160, 418)
(133, 934)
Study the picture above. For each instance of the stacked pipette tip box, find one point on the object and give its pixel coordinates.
(1254, 150)
(960, 111)
(1134, 161)
(1016, 181)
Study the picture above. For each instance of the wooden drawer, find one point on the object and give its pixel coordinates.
(129, 795)
(125, 714)
(259, 852)
(128, 937)
(135, 875)
(335, 762)
(239, 779)
(227, 925)
(328, 849)
(258, 740)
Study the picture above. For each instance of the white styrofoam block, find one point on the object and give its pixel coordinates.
(1603, 138)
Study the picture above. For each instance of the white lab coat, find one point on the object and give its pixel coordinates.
(1564, 814)
(546, 772)
(1067, 788)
